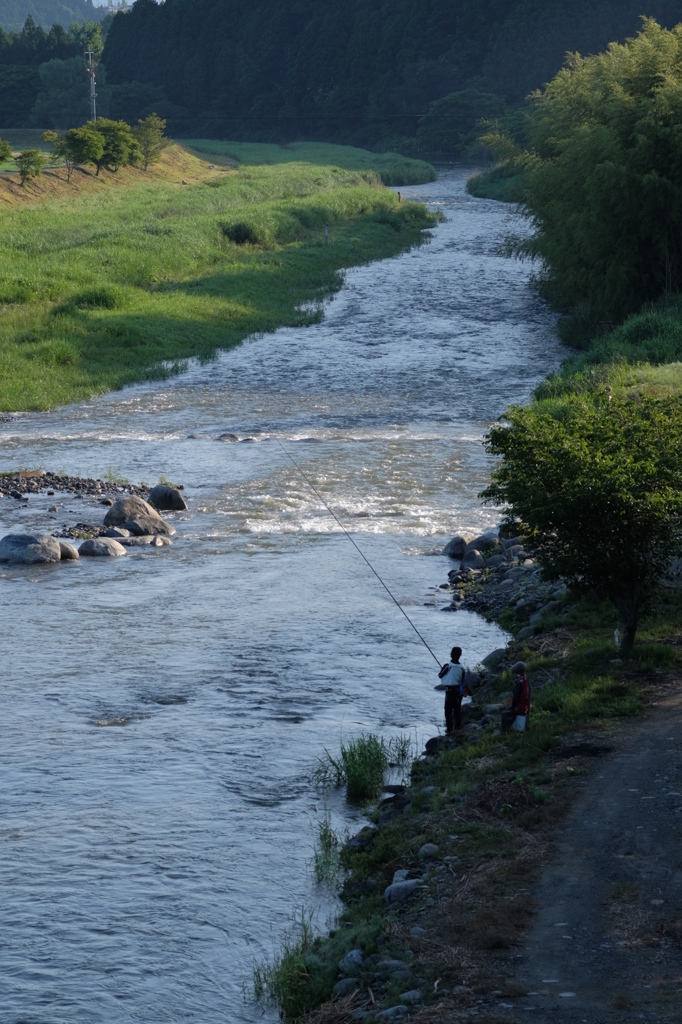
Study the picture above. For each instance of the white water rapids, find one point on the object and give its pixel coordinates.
(161, 713)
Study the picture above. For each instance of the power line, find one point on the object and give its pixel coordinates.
(359, 551)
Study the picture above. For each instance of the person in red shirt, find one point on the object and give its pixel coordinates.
(520, 705)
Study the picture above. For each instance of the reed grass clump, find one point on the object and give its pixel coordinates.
(362, 765)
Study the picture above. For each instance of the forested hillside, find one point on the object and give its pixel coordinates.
(13, 13)
(364, 71)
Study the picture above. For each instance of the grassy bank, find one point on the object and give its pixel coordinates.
(393, 168)
(503, 183)
(101, 286)
(479, 823)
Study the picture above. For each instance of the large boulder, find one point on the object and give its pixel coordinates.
(101, 547)
(68, 551)
(149, 526)
(124, 509)
(163, 498)
(398, 892)
(456, 547)
(29, 548)
(473, 559)
(485, 542)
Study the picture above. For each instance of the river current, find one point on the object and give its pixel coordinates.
(162, 713)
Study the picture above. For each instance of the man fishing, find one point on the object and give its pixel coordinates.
(452, 681)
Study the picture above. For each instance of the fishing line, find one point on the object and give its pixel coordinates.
(312, 487)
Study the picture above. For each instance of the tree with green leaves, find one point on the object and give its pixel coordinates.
(148, 133)
(30, 163)
(5, 151)
(598, 491)
(604, 177)
(77, 147)
(120, 146)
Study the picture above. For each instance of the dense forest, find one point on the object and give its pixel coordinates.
(378, 73)
(13, 13)
(365, 71)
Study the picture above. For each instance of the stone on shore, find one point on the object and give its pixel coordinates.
(456, 547)
(413, 997)
(101, 547)
(117, 532)
(146, 540)
(29, 548)
(428, 851)
(398, 892)
(124, 509)
(68, 551)
(146, 526)
(351, 963)
(345, 987)
(163, 497)
(495, 657)
(473, 559)
(485, 542)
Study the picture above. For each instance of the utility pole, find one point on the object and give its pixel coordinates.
(90, 70)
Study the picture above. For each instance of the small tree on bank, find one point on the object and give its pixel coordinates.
(30, 163)
(599, 492)
(77, 147)
(120, 147)
(5, 151)
(148, 133)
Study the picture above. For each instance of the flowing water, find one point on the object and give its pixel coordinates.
(161, 713)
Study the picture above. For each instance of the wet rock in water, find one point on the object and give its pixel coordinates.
(18, 495)
(137, 542)
(345, 987)
(106, 501)
(144, 526)
(124, 509)
(473, 559)
(456, 547)
(428, 851)
(68, 551)
(164, 497)
(101, 547)
(161, 542)
(398, 892)
(363, 839)
(228, 437)
(116, 532)
(351, 963)
(29, 548)
(413, 997)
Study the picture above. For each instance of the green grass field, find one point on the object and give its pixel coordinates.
(391, 167)
(100, 290)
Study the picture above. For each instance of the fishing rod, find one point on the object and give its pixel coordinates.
(331, 512)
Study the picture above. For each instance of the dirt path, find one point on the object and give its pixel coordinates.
(607, 941)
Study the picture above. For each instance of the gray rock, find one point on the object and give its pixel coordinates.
(101, 547)
(400, 875)
(494, 561)
(142, 526)
(117, 532)
(516, 551)
(228, 437)
(525, 633)
(163, 497)
(456, 547)
(427, 852)
(495, 657)
(416, 932)
(345, 987)
(351, 963)
(137, 542)
(546, 610)
(68, 552)
(473, 559)
(398, 892)
(29, 548)
(412, 997)
(485, 542)
(124, 509)
(393, 1013)
(438, 743)
(106, 501)
(511, 542)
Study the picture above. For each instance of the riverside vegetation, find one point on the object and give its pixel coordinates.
(437, 898)
(121, 278)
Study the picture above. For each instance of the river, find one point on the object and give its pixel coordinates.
(162, 713)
